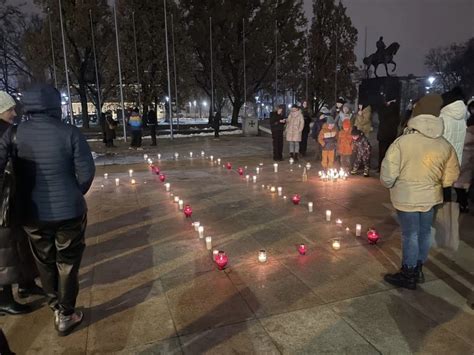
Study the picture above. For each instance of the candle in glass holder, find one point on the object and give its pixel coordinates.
(296, 199)
(308, 166)
(201, 232)
(221, 260)
(273, 189)
(203, 153)
(130, 173)
(228, 166)
(358, 230)
(190, 154)
(133, 182)
(280, 190)
(167, 187)
(209, 243)
(145, 157)
(257, 169)
(254, 178)
(302, 249)
(150, 161)
(240, 171)
(159, 156)
(176, 199)
(336, 244)
(215, 252)
(117, 182)
(211, 157)
(162, 177)
(106, 176)
(373, 236)
(196, 225)
(339, 222)
(219, 161)
(247, 177)
(310, 206)
(180, 204)
(188, 211)
(176, 155)
(275, 167)
(284, 197)
(291, 161)
(328, 215)
(262, 256)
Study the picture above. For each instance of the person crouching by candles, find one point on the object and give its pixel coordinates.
(344, 145)
(317, 126)
(328, 140)
(416, 168)
(361, 148)
(277, 125)
(294, 129)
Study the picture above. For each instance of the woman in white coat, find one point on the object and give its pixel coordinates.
(294, 128)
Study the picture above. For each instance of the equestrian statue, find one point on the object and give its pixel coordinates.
(384, 55)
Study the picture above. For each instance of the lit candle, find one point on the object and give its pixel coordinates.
(240, 171)
(257, 170)
(167, 186)
(336, 244)
(145, 157)
(150, 161)
(211, 157)
(348, 230)
(273, 189)
(308, 166)
(180, 204)
(221, 260)
(176, 199)
(196, 225)
(209, 243)
(214, 253)
(117, 182)
(275, 167)
(261, 164)
(280, 190)
(358, 230)
(328, 215)
(133, 182)
(310, 206)
(176, 155)
(302, 249)
(291, 161)
(339, 222)
(262, 256)
(247, 177)
(162, 177)
(203, 153)
(201, 232)
(218, 161)
(188, 211)
(130, 173)
(284, 197)
(106, 176)
(190, 154)
(254, 178)
(159, 156)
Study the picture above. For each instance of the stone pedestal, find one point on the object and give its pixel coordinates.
(250, 126)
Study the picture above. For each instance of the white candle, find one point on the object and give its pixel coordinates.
(310, 206)
(203, 153)
(209, 243)
(117, 182)
(133, 182)
(190, 154)
(262, 256)
(254, 178)
(159, 156)
(257, 170)
(211, 157)
(291, 161)
(328, 215)
(145, 156)
(176, 155)
(196, 226)
(336, 244)
(247, 177)
(180, 204)
(275, 167)
(176, 199)
(106, 176)
(308, 166)
(280, 190)
(358, 230)
(215, 252)
(167, 186)
(284, 197)
(201, 232)
(150, 161)
(339, 222)
(273, 189)
(218, 160)
(261, 164)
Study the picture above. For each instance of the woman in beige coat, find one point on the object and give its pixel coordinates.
(416, 168)
(294, 128)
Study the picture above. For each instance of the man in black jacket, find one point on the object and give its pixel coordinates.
(306, 129)
(152, 121)
(389, 118)
(54, 168)
(277, 125)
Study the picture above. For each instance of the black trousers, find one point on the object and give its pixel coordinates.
(216, 131)
(153, 134)
(57, 248)
(277, 136)
(304, 141)
(136, 139)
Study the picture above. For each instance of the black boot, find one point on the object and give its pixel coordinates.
(28, 290)
(296, 156)
(8, 304)
(406, 278)
(419, 275)
(291, 155)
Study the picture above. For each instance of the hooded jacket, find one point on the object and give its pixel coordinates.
(418, 165)
(328, 137)
(294, 126)
(54, 167)
(363, 120)
(454, 117)
(344, 141)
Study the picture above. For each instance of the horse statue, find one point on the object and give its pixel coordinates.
(382, 57)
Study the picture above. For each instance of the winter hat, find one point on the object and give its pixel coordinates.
(346, 124)
(355, 131)
(6, 102)
(330, 120)
(428, 105)
(341, 100)
(453, 95)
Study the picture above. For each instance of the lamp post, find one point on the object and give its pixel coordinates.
(71, 113)
(120, 73)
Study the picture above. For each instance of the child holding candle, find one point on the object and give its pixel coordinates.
(344, 144)
(328, 140)
(361, 148)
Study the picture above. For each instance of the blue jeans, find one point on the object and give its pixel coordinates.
(416, 236)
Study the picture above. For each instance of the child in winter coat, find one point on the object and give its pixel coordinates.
(317, 126)
(344, 145)
(361, 148)
(328, 140)
(344, 115)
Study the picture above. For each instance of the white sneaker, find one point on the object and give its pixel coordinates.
(66, 324)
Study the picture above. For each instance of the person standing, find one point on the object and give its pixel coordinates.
(136, 123)
(328, 140)
(389, 117)
(217, 124)
(294, 129)
(54, 170)
(416, 168)
(317, 126)
(363, 120)
(16, 262)
(110, 125)
(152, 122)
(344, 145)
(306, 129)
(277, 126)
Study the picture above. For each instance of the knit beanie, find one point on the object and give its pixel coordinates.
(6, 102)
(330, 120)
(428, 105)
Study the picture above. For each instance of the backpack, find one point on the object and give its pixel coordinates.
(9, 185)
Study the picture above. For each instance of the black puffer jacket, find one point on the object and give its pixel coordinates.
(54, 167)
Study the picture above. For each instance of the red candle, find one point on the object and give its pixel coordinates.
(228, 166)
(373, 236)
(296, 199)
(188, 211)
(155, 170)
(221, 260)
(162, 177)
(302, 249)
(240, 171)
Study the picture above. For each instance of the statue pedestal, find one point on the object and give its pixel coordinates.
(375, 91)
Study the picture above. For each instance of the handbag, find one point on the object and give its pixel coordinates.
(445, 230)
(9, 185)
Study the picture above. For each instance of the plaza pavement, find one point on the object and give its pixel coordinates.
(149, 286)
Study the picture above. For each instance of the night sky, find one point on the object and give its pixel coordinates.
(417, 25)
